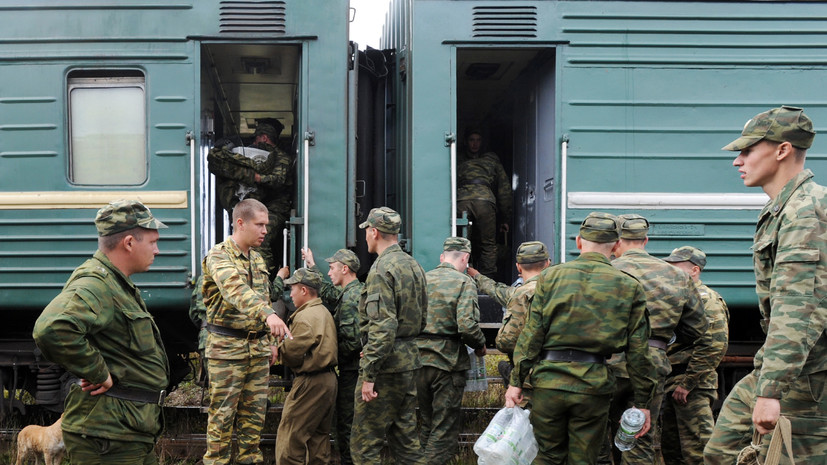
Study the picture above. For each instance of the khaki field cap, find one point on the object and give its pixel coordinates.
(633, 226)
(271, 131)
(532, 252)
(306, 277)
(457, 244)
(784, 124)
(383, 219)
(123, 215)
(687, 254)
(345, 257)
(599, 227)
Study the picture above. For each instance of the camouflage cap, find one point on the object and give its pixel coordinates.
(384, 219)
(457, 244)
(123, 215)
(687, 254)
(633, 226)
(345, 257)
(599, 227)
(532, 252)
(783, 124)
(307, 277)
(269, 129)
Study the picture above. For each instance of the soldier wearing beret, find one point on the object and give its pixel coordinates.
(453, 321)
(691, 387)
(582, 312)
(240, 346)
(484, 191)
(391, 315)
(341, 296)
(675, 309)
(268, 180)
(304, 430)
(532, 259)
(790, 260)
(98, 328)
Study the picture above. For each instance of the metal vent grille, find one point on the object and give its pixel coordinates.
(252, 17)
(505, 21)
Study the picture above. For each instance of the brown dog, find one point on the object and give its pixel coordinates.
(41, 440)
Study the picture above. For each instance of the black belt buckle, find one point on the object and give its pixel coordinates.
(162, 396)
(252, 335)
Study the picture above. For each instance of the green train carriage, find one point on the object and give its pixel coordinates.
(101, 100)
(610, 106)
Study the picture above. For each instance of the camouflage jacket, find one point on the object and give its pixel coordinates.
(790, 255)
(698, 364)
(586, 305)
(237, 295)
(482, 177)
(313, 347)
(452, 321)
(673, 302)
(198, 311)
(238, 171)
(344, 304)
(99, 326)
(517, 301)
(392, 310)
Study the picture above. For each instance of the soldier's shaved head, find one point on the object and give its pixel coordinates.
(247, 209)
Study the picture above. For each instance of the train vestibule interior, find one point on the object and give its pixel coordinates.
(243, 86)
(508, 94)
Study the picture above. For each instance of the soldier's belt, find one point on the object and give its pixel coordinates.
(572, 355)
(317, 372)
(145, 396)
(450, 337)
(657, 344)
(236, 333)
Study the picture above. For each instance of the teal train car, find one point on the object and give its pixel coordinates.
(610, 106)
(101, 100)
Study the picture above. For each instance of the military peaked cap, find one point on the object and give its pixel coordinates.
(783, 124)
(457, 244)
(123, 215)
(532, 252)
(633, 226)
(345, 257)
(599, 227)
(384, 219)
(687, 254)
(307, 277)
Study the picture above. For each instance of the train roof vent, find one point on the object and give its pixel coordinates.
(505, 21)
(252, 16)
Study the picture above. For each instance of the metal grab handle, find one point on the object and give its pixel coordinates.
(309, 139)
(191, 140)
(284, 250)
(451, 141)
(564, 150)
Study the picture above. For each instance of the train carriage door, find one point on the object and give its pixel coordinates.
(508, 94)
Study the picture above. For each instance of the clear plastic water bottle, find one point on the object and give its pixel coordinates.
(630, 424)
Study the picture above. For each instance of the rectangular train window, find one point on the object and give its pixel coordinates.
(107, 126)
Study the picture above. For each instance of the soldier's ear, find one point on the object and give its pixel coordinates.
(784, 150)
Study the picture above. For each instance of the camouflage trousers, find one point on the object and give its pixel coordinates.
(483, 238)
(685, 429)
(805, 404)
(391, 415)
(344, 413)
(439, 395)
(644, 450)
(304, 430)
(90, 450)
(238, 395)
(569, 426)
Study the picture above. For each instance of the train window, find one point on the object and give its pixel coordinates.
(107, 125)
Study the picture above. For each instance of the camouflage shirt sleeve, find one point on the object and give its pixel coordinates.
(380, 323)
(693, 323)
(277, 169)
(515, 317)
(468, 316)
(705, 356)
(229, 165)
(232, 287)
(503, 194)
(501, 293)
(347, 323)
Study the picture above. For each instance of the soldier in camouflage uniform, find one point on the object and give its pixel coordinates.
(790, 258)
(304, 430)
(675, 309)
(240, 343)
(452, 322)
(483, 190)
(532, 259)
(691, 388)
(582, 312)
(269, 181)
(99, 329)
(392, 312)
(342, 297)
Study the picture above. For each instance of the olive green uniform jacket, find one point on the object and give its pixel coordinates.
(99, 326)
